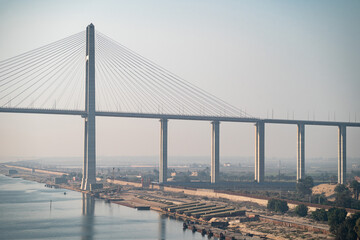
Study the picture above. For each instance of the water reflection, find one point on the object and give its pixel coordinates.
(88, 207)
(22, 208)
(162, 227)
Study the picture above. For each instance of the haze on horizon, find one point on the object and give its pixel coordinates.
(285, 58)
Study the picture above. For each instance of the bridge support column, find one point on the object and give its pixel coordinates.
(163, 151)
(259, 151)
(84, 171)
(300, 152)
(215, 151)
(342, 155)
(89, 170)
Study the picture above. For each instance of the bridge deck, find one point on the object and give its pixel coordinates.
(178, 117)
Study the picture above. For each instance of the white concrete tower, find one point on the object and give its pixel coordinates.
(342, 155)
(163, 150)
(215, 152)
(300, 152)
(259, 151)
(89, 168)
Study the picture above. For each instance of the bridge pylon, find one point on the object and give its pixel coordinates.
(89, 167)
(163, 150)
(215, 151)
(300, 170)
(259, 151)
(342, 154)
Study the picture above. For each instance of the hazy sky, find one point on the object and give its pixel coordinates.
(288, 57)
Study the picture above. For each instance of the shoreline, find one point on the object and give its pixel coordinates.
(71, 188)
(195, 227)
(130, 194)
(200, 226)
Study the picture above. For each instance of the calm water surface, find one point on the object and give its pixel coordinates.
(26, 213)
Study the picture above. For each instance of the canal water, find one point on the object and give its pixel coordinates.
(28, 210)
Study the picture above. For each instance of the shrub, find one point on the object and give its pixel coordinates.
(277, 205)
(357, 228)
(319, 215)
(355, 186)
(281, 206)
(347, 229)
(355, 204)
(343, 196)
(303, 187)
(271, 204)
(301, 210)
(336, 217)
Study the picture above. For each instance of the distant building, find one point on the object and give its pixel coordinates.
(355, 166)
(145, 183)
(12, 171)
(76, 179)
(60, 180)
(194, 174)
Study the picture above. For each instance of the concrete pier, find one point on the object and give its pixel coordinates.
(84, 171)
(300, 152)
(342, 155)
(163, 150)
(259, 151)
(89, 171)
(215, 151)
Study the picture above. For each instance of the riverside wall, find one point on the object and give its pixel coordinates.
(37, 170)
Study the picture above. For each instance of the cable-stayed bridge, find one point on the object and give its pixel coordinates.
(50, 80)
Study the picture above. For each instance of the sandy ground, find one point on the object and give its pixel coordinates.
(327, 189)
(272, 231)
(154, 199)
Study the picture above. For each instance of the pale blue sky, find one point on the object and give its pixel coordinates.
(289, 56)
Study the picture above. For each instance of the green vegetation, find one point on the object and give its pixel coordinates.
(277, 205)
(319, 215)
(355, 204)
(357, 227)
(319, 199)
(303, 187)
(344, 199)
(343, 196)
(346, 230)
(301, 210)
(336, 217)
(355, 186)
